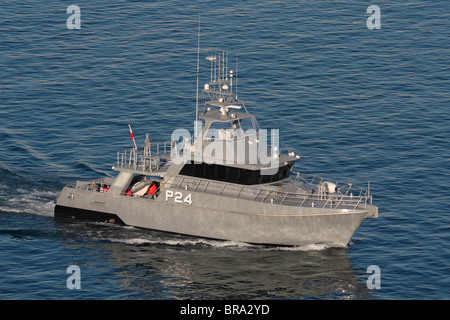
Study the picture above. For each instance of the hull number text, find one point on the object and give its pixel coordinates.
(178, 197)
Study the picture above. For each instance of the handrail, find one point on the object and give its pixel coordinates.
(271, 194)
(267, 193)
(147, 158)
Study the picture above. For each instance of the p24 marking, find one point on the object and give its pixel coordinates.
(178, 197)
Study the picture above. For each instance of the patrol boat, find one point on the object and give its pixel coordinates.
(225, 182)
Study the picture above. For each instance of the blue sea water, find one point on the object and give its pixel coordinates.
(357, 104)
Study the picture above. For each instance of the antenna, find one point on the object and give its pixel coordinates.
(226, 67)
(213, 60)
(236, 76)
(215, 63)
(198, 67)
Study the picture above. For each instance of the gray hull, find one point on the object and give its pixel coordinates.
(217, 217)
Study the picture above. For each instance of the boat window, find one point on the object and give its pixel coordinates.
(226, 130)
(246, 124)
(255, 124)
(233, 174)
(218, 131)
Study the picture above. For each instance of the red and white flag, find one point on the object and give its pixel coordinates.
(132, 136)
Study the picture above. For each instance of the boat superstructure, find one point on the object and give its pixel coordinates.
(229, 180)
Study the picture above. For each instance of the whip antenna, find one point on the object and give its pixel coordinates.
(198, 67)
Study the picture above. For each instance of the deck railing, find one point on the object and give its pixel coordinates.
(311, 194)
(147, 158)
(310, 191)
